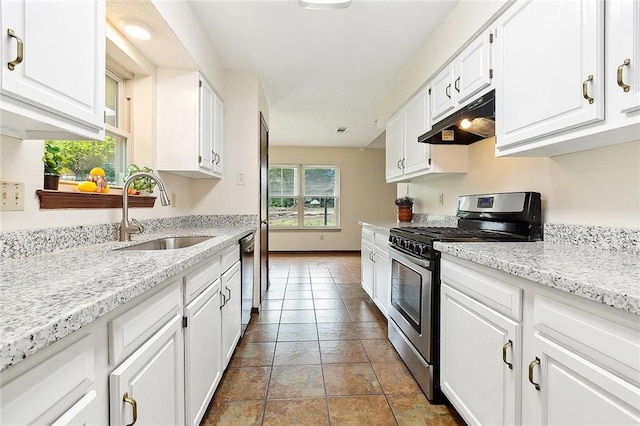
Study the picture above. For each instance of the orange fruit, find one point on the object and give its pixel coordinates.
(103, 191)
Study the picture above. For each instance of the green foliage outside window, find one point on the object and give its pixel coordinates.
(82, 156)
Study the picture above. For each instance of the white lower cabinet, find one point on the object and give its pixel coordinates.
(573, 361)
(374, 267)
(148, 387)
(474, 375)
(203, 365)
(231, 286)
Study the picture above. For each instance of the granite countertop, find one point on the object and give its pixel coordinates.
(608, 277)
(49, 296)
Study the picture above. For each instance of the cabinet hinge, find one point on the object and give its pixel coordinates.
(429, 91)
(199, 158)
(429, 162)
(184, 322)
(199, 83)
(490, 37)
(491, 73)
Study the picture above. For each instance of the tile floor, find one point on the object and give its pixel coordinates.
(318, 354)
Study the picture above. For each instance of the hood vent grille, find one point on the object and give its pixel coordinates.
(479, 115)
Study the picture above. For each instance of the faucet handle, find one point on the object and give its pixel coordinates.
(138, 225)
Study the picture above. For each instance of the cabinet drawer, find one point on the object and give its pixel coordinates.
(609, 344)
(48, 390)
(381, 241)
(368, 235)
(131, 329)
(499, 295)
(196, 281)
(229, 257)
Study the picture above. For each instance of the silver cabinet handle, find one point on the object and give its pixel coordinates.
(504, 354)
(399, 161)
(20, 54)
(456, 84)
(625, 87)
(447, 91)
(229, 290)
(213, 157)
(585, 91)
(403, 163)
(224, 300)
(532, 364)
(126, 398)
(217, 159)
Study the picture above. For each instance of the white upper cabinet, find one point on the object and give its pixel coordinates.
(551, 69)
(406, 158)
(53, 69)
(467, 75)
(190, 117)
(623, 55)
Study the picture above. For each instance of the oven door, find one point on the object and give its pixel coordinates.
(411, 301)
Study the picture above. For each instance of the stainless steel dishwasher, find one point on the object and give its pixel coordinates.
(247, 244)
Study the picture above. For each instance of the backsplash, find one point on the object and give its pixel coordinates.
(601, 237)
(19, 244)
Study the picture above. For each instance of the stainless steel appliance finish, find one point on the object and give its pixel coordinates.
(414, 311)
(247, 245)
(474, 122)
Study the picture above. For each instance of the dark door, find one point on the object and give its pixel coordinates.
(264, 208)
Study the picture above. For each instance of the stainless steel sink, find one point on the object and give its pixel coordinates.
(169, 243)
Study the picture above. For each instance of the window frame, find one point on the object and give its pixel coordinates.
(300, 196)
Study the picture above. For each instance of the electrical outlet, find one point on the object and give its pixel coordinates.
(11, 196)
(321, 237)
(441, 199)
(173, 199)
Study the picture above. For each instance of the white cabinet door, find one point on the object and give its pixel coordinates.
(473, 69)
(623, 50)
(416, 123)
(231, 312)
(218, 136)
(442, 94)
(477, 343)
(367, 267)
(62, 70)
(202, 340)
(550, 68)
(153, 377)
(382, 287)
(206, 158)
(573, 390)
(83, 412)
(394, 140)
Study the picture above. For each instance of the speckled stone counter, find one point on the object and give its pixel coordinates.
(608, 277)
(418, 220)
(47, 297)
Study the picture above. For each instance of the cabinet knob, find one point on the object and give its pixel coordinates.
(585, 89)
(625, 87)
(20, 53)
(126, 398)
(532, 364)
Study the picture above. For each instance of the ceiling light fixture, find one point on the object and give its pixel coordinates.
(324, 4)
(137, 30)
(465, 123)
(340, 130)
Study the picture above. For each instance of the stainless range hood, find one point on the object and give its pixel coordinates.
(472, 123)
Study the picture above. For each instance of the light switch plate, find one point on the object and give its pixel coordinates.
(11, 196)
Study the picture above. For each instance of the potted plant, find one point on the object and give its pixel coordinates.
(53, 161)
(143, 184)
(405, 205)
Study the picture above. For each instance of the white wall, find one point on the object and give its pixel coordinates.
(364, 195)
(595, 187)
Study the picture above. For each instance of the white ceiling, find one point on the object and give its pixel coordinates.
(320, 69)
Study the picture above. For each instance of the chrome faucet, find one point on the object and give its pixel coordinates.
(127, 228)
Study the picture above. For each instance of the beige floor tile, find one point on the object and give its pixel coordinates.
(297, 332)
(350, 379)
(253, 355)
(342, 351)
(294, 353)
(244, 383)
(415, 410)
(296, 381)
(233, 413)
(287, 412)
(337, 331)
(360, 411)
(260, 333)
(380, 350)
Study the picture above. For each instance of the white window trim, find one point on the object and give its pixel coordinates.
(301, 196)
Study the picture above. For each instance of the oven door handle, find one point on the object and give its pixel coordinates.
(411, 259)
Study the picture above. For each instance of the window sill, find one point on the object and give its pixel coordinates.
(50, 199)
(308, 229)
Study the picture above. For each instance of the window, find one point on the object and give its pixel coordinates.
(303, 196)
(110, 154)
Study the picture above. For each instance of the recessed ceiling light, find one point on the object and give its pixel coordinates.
(324, 4)
(137, 30)
(465, 123)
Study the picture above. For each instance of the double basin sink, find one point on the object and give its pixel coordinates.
(167, 243)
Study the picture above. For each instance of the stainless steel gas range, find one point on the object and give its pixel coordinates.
(414, 326)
